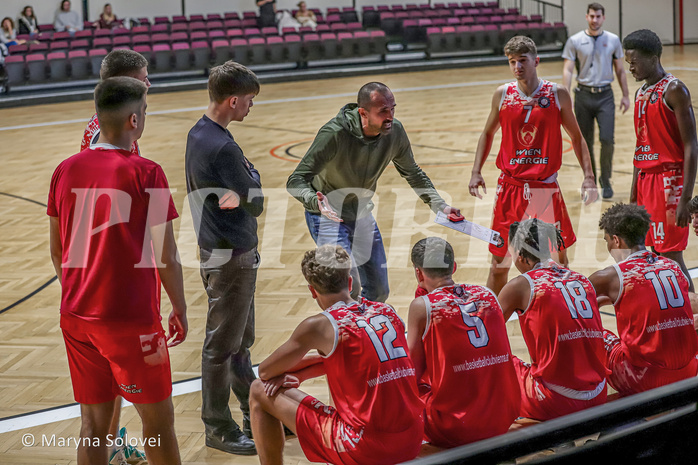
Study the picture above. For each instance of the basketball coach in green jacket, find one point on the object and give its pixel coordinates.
(337, 178)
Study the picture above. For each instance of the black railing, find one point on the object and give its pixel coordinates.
(550, 12)
(627, 435)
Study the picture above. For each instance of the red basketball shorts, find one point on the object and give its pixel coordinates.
(541, 403)
(517, 201)
(628, 379)
(453, 429)
(133, 365)
(325, 437)
(659, 193)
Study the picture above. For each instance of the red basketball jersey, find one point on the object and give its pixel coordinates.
(531, 146)
(468, 353)
(369, 373)
(654, 314)
(562, 328)
(658, 137)
(91, 136)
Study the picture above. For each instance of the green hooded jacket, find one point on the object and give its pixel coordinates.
(345, 165)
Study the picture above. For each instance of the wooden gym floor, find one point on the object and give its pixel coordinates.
(443, 112)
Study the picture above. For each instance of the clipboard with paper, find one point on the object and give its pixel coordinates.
(471, 229)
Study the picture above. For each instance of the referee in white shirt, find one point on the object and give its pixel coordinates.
(595, 54)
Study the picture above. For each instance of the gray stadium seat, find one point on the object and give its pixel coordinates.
(96, 57)
(258, 50)
(201, 54)
(162, 54)
(182, 56)
(15, 68)
(58, 65)
(241, 51)
(79, 64)
(36, 66)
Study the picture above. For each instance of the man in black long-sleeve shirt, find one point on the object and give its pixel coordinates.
(225, 195)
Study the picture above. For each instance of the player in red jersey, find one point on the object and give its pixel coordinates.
(657, 344)
(363, 351)
(110, 211)
(460, 349)
(530, 112)
(131, 64)
(666, 152)
(117, 63)
(560, 323)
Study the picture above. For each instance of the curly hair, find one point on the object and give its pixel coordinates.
(644, 41)
(520, 45)
(434, 256)
(533, 239)
(627, 221)
(327, 268)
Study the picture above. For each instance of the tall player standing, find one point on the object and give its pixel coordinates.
(130, 64)
(117, 63)
(530, 112)
(666, 152)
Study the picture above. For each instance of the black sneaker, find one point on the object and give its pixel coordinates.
(235, 442)
(607, 192)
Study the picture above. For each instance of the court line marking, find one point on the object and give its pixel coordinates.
(67, 412)
(282, 100)
(313, 97)
(53, 415)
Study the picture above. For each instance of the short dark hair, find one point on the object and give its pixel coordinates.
(520, 45)
(364, 97)
(645, 42)
(230, 79)
(434, 256)
(117, 97)
(630, 222)
(327, 268)
(596, 7)
(533, 239)
(122, 63)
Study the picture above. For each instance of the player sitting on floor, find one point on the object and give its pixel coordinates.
(657, 344)
(458, 343)
(363, 351)
(561, 325)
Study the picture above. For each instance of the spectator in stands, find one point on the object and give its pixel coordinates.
(27, 22)
(8, 35)
(305, 17)
(67, 19)
(107, 20)
(267, 12)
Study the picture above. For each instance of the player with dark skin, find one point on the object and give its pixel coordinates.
(648, 68)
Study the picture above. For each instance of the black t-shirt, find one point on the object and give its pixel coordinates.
(214, 161)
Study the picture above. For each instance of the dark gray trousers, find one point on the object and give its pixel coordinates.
(587, 107)
(225, 358)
